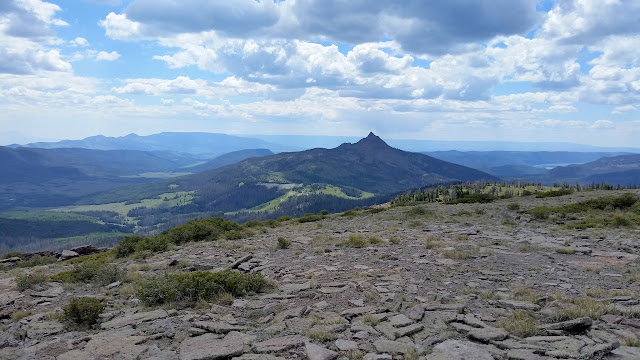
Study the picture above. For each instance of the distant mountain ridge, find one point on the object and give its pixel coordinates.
(230, 158)
(211, 144)
(615, 170)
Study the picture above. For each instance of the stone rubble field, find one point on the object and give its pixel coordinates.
(428, 281)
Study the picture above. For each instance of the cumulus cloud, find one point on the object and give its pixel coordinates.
(588, 21)
(79, 41)
(30, 61)
(107, 56)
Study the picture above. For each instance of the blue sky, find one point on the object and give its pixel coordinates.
(520, 70)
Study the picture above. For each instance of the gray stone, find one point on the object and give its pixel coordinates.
(575, 325)
(625, 353)
(68, 254)
(346, 345)
(353, 312)
(114, 344)
(317, 352)
(134, 319)
(408, 330)
(217, 327)
(522, 305)
(280, 344)
(237, 263)
(37, 330)
(459, 350)
(415, 312)
(209, 347)
(392, 347)
(598, 350)
(523, 354)
(488, 334)
(372, 356)
(400, 320)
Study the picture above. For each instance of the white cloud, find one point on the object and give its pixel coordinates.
(603, 124)
(117, 26)
(79, 41)
(112, 56)
(623, 109)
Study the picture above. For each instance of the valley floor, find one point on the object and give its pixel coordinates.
(427, 281)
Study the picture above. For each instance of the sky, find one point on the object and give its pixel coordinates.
(488, 70)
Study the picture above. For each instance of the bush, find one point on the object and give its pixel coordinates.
(355, 241)
(324, 212)
(513, 206)
(196, 286)
(91, 272)
(37, 260)
(554, 193)
(30, 281)
(83, 312)
(201, 230)
(310, 218)
(283, 243)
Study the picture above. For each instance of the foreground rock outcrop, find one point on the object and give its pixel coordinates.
(455, 282)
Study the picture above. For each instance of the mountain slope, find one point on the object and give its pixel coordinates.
(369, 165)
(622, 170)
(230, 158)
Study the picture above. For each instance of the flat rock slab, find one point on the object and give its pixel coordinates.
(392, 347)
(209, 347)
(357, 311)
(488, 334)
(41, 329)
(134, 319)
(575, 325)
(8, 297)
(521, 305)
(280, 344)
(217, 327)
(459, 350)
(115, 344)
(317, 352)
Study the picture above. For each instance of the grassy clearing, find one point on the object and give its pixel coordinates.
(172, 199)
(521, 323)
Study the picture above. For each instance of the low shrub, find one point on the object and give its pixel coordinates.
(554, 193)
(91, 272)
(26, 281)
(283, 243)
(513, 206)
(37, 260)
(82, 312)
(355, 241)
(196, 286)
(310, 218)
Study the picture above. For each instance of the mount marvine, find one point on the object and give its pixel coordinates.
(295, 183)
(291, 183)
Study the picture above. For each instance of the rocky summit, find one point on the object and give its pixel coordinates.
(421, 281)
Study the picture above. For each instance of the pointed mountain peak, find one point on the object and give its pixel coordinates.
(372, 141)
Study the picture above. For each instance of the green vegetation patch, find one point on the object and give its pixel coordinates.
(196, 286)
(26, 281)
(82, 312)
(91, 272)
(598, 212)
(210, 229)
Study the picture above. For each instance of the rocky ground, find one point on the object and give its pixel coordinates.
(433, 281)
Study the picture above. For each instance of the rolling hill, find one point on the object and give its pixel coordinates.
(230, 158)
(615, 170)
